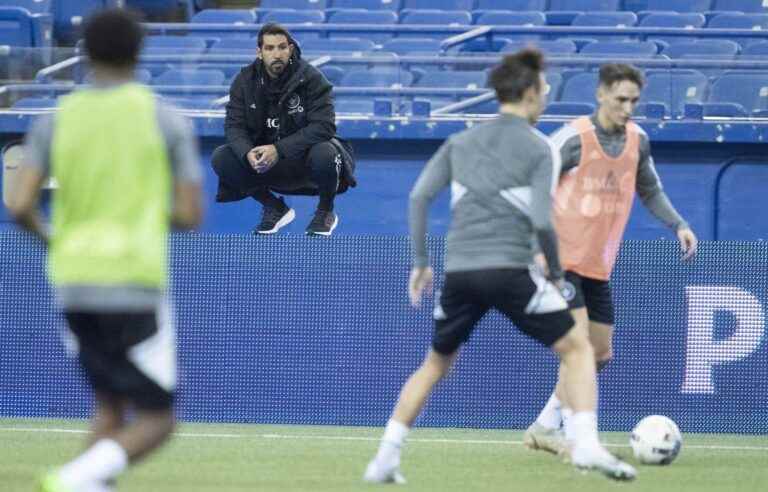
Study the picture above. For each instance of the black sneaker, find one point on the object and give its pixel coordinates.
(274, 219)
(323, 223)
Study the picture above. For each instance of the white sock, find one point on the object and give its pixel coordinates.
(551, 416)
(567, 414)
(393, 439)
(583, 427)
(103, 461)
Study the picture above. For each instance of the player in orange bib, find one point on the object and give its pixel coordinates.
(605, 161)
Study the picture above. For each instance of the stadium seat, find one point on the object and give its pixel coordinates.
(69, 14)
(235, 17)
(294, 17)
(633, 49)
(338, 44)
(403, 46)
(377, 77)
(759, 49)
(703, 48)
(333, 73)
(35, 103)
(234, 46)
(548, 47)
(463, 80)
(507, 18)
(689, 6)
(748, 6)
(581, 87)
(521, 5)
(366, 4)
(186, 45)
(584, 5)
(202, 102)
(745, 91)
(438, 4)
(448, 18)
(176, 76)
(20, 28)
(362, 16)
(33, 6)
(152, 7)
(606, 19)
(675, 89)
(294, 4)
(674, 19)
(739, 21)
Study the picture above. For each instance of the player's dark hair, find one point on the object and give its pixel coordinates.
(517, 73)
(272, 28)
(610, 73)
(113, 37)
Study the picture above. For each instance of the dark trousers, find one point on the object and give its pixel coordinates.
(315, 174)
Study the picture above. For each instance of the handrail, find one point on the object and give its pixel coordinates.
(46, 73)
(467, 36)
(166, 27)
(466, 103)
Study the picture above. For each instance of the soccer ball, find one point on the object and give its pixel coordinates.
(656, 440)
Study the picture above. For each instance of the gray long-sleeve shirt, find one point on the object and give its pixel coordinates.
(648, 185)
(501, 175)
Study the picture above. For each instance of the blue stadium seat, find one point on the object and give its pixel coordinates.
(68, 16)
(548, 47)
(522, 5)
(739, 21)
(294, 17)
(20, 28)
(633, 49)
(691, 6)
(294, 4)
(554, 80)
(451, 17)
(366, 4)
(464, 80)
(362, 16)
(152, 7)
(743, 91)
(187, 45)
(177, 76)
(577, 97)
(403, 46)
(377, 77)
(507, 18)
(607, 19)
(585, 5)
(33, 6)
(674, 19)
(748, 6)
(675, 89)
(333, 73)
(35, 103)
(702, 48)
(338, 44)
(438, 4)
(756, 50)
(236, 46)
(200, 102)
(236, 17)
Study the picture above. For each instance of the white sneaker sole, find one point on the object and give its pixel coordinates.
(287, 219)
(326, 233)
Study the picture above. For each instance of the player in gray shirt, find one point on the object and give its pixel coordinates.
(502, 175)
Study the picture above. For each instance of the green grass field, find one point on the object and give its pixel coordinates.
(205, 457)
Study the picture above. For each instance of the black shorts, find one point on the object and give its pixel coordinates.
(533, 304)
(593, 294)
(127, 355)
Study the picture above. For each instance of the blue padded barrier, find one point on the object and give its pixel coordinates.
(336, 338)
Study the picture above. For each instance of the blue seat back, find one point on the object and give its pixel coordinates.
(702, 48)
(675, 89)
(35, 103)
(673, 19)
(523, 5)
(451, 17)
(237, 46)
(362, 16)
(634, 49)
(338, 44)
(377, 77)
(463, 80)
(739, 21)
(178, 76)
(438, 4)
(697, 6)
(294, 17)
(548, 47)
(294, 4)
(607, 19)
(749, 6)
(580, 88)
(506, 18)
(33, 6)
(756, 49)
(746, 89)
(174, 44)
(411, 45)
(584, 5)
(366, 4)
(225, 16)
(16, 28)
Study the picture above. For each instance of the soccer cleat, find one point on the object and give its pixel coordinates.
(273, 219)
(378, 473)
(538, 437)
(604, 462)
(323, 223)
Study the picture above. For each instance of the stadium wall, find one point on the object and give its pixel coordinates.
(298, 330)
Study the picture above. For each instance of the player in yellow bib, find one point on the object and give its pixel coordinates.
(127, 169)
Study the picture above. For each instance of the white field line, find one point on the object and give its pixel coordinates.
(301, 437)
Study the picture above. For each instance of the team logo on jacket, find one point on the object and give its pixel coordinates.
(294, 101)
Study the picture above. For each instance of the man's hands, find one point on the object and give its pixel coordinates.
(420, 281)
(262, 158)
(688, 242)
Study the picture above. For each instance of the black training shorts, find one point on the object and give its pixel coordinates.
(523, 295)
(127, 355)
(591, 293)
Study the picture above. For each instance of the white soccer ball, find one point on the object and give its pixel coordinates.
(656, 440)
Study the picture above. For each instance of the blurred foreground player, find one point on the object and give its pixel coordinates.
(606, 160)
(127, 168)
(501, 176)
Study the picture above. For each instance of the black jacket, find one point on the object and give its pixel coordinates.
(305, 110)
